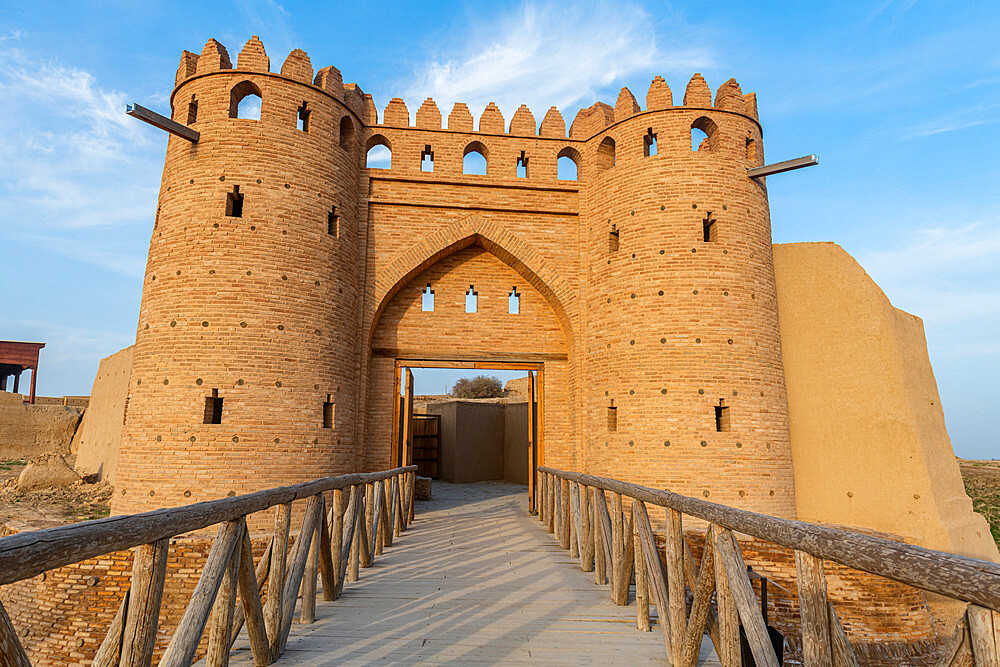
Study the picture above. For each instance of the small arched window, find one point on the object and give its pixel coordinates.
(703, 131)
(379, 153)
(751, 150)
(245, 101)
(568, 164)
(606, 154)
(474, 160)
(192, 111)
(346, 133)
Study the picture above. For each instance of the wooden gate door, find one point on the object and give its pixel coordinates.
(427, 444)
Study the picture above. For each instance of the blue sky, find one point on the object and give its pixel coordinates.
(901, 100)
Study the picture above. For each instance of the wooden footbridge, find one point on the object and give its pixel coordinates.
(473, 578)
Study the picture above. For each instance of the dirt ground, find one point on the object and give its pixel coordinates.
(982, 483)
(48, 507)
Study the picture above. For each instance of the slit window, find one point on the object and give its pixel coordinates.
(333, 223)
(329, 410)
(614, 239)
(213, 408)
(722, 416)
(514, 302)
(427, 159)
(303, 121)
(751, 150)
(192, 111)
(234, 203)
(427, 299)
(522, 166)
(612, 417)
(649, 143)
(709, 229)
(471, 300)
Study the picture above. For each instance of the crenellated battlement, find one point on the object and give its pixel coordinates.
(588, 122)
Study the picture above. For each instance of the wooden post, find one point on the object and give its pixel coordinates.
(657, 581)
(604, 527)
(183, 645)
(728, 647)
(728, 552)
(981, 635)
(815, 621)
(564, 514)
(675, 580)
(389, 511)
(348, 558)
(641, 580)
(307, 535)
(576, 542)
(337, 540)
(586, 531)
(397, 510)
(149, 568)
(363, 528)
(276, 579)
(843, 653)
(260, 648)
(600, 562)
(550, 491)
(541, 505)
(621, 554)
(326, 569)
(412, 493)
(700, 605)
(260, 576)
(11, 652)
(375, 520)
(110, 649)
(224, 610)
(307, 613)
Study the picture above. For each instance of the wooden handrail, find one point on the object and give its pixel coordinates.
(26, 555)
(573, 507)
(959, 577)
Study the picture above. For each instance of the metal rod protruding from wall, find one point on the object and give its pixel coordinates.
(787, 165)
(162, 122)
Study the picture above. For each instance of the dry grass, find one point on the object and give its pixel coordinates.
(982, 483)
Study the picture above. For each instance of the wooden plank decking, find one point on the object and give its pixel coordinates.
(474, 580)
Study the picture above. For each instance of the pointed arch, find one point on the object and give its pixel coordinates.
(492, 237)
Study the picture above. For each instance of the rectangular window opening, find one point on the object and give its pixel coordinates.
(721, 416)
(612, 417)
(213, 408)
(613, 239)
(427, 159)
(471, 300)
(303, 122)
(329, 409)
(333, 223)
(513, 302)
(709, 229)
(192, 111)
(522, 166)
(234, 203)
(427, 299)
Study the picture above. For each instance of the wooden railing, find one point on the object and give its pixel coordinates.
(575, 508)
(332, 545)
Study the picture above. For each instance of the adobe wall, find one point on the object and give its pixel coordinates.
(869, 444)
(515, 442)
(98, 437)
(27, 431)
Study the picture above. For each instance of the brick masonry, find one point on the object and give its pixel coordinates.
(279, 315)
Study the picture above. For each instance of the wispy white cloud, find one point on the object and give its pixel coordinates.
(72, 158)
(950, 277)
(957, 120)
(548, 54)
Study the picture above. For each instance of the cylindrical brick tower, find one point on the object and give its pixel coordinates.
(245, 370)
(685, 387)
